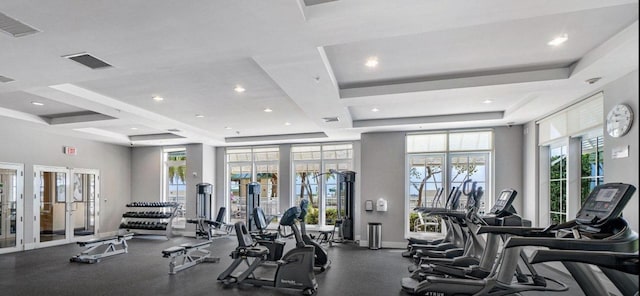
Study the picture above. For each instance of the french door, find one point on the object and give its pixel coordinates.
(65, 204)
(11, 207)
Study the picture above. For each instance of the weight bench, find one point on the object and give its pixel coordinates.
(92, 255)
(187, 255)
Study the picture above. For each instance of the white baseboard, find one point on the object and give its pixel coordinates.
(390, 245)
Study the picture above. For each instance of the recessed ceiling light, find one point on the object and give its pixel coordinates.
(157, 98)
(372, 62)
(37, 103)
(558, 40)
(199, 115)
(134, 128)
(227, 127)
(268, 110)
(375, 110)
(239, 89)
(488, 101)
(287, 123)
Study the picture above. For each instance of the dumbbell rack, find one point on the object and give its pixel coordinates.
(150, 217)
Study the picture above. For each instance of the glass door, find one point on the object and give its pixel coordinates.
(11, 202)
(330, 205)
(307, 185)
(84, 205)
(425, 178)
(240, 175)
(52, 207)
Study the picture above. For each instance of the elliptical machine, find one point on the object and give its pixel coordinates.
(293, 271)
(321, 259)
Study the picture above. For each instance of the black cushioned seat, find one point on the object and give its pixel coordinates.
(257, 251)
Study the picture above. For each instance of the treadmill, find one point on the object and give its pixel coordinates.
(597, 227)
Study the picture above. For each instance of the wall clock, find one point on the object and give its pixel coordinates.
(619, 120)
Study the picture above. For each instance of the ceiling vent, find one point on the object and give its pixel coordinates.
(316, 2)
(174, 130)
(87, 60)
(5, 79)
(154, 137)
(330, 119)
(14, 27)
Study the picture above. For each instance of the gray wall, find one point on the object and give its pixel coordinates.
(219, 186)
(529, 196)
(383, 175)
(193, 176)
(506, 162)
(623, 90)
(31, 144)
(146, 173)
(285, 177)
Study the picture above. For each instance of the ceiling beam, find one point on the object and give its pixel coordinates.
(459, 81)
(429, 119)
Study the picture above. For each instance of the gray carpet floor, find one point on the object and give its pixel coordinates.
(143, 271)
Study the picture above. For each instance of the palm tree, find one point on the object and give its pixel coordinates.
(180, 171)
(305, 185)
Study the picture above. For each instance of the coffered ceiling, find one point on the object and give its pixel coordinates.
(257, 72)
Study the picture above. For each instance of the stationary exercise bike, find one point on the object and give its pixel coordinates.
(321, 258)
(293, 271)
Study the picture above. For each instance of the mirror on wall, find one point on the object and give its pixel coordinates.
(8, 207)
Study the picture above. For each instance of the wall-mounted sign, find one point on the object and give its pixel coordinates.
(620, 152)
(69, 150)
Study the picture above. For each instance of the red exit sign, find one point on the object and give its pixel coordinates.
(70, 150)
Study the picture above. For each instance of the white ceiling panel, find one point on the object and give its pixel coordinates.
(23, 102)
(513, 46)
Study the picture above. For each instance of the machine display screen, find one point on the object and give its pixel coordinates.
(606, 195)
(504, 196)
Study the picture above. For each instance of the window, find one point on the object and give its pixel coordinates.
(425, 178)
(252, 164)
(175, 162)
(572, 141)
(592, 173)
(312, 179)
(558, 184)
(437, 159)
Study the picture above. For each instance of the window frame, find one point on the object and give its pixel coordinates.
(253, 163)
(323, 163)
(446, 177)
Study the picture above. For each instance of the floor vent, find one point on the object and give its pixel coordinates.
(5, 79)
(88, 60)
(14, 27)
